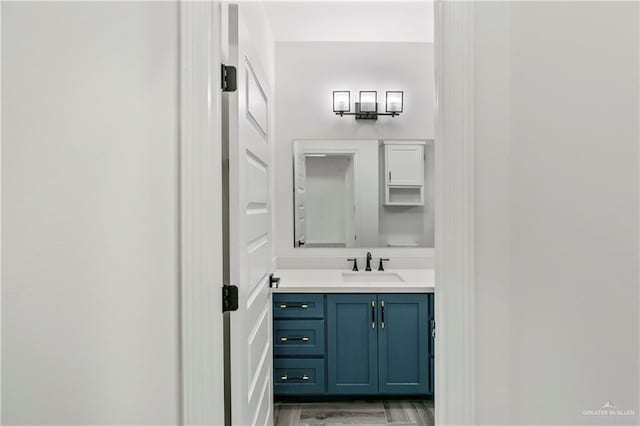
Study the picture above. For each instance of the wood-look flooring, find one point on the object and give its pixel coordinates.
(380, 412)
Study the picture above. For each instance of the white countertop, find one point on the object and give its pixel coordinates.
(333, 281)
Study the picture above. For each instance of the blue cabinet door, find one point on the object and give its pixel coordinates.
(352, 343)
(403, 348)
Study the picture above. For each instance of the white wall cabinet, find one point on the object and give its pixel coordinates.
(404, 173)
(405, 165)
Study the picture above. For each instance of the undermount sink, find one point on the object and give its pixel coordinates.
(371, 277)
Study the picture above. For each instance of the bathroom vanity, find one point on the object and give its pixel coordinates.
(340, 333)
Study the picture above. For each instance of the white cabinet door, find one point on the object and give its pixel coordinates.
(405, 165)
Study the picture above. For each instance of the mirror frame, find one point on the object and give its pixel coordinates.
(412, 256)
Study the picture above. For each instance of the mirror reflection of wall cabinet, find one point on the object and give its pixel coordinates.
(362, 193)
(404, 173)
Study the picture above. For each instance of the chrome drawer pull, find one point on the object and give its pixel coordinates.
(302, 306)
(285, 377)
(294, 339)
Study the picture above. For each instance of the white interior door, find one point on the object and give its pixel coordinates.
(250, 230)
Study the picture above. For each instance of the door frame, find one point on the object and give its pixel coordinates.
(355, 152)
(454, 213)
(200, 176)
(202, 371)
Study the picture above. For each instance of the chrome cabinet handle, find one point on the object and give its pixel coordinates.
(302, 306)
(382, 314)
(294, 339)
(373, 314)
(285, 377)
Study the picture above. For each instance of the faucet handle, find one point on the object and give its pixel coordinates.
(380, 267)
(355, 263)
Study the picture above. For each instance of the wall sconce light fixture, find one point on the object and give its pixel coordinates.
(367, 107)
(368, 102)
(395, 101)
(341, 102)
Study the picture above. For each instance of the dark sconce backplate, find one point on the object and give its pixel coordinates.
(365, 115)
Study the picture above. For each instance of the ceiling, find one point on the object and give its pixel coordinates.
(394, 21)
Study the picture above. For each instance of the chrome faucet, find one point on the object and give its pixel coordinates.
(368, 268)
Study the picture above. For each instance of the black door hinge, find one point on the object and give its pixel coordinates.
(229, 298)
(228, 78)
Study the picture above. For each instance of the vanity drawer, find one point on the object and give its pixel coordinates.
(298, 306)
(298, 376)
(298, 337)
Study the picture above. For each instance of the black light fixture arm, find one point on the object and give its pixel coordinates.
(372, 114)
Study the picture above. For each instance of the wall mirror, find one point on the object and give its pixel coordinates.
(363, 193)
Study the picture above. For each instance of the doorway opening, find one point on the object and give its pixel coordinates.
(276, 103)
(346, 95)
(329, 224)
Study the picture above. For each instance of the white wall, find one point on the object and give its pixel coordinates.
(89, 178)
(306, 75)
(557, 212)
(491, 211)
(343, 20)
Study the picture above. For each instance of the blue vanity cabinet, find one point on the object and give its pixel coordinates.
(403, 344)
(352, 344)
